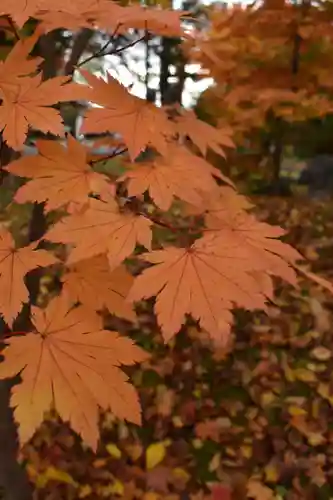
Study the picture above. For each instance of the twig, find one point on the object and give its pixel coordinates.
(160, 222)
(100, 52)
(121, 49)
(110, 157)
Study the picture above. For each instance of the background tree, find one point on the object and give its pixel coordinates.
(270, 77)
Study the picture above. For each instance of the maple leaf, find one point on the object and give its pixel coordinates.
(91, 283)
(179, 174)
(59, 175)
(17, 63)
(202, 281)
(165, 22)
(14, 265)
(139, 122)
(258, 238)
(78, 14)
(71, 364)
(102, 228)
(225, 200)
(20, 10)
(27, 104)
(202, 134)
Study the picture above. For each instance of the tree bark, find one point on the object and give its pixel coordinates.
(14, 481)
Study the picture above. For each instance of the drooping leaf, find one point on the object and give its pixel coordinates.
(58, 175)
(102, 228)
(20, 10)
(91, 283)
(179, 174)
(15, 263)
(28, 103)
(140, 123)
(258, 238)
(17, 63)
(202, 281)
(72, 364)
(202, 134)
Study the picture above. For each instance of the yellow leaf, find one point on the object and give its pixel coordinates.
(295, 411)
(246, 451)
(113, 450)
(117, 488)
(267, 398)
(315, 439)
(85, 491)
(155, 454)
(197, 443)
(271, 473)
(305, 375)
(181, 473)
(53, 474)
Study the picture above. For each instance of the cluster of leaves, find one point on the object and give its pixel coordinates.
(261, 66)
(70, 362)
(253, 425)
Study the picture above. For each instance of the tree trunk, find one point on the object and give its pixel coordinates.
(14, 482)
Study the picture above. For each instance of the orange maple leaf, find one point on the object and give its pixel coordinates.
(102, 228)
(17, 63)
(20, 10)
(202, 281)
(28, 104)
(71, 364)
(258, 238)
(179, 174)
(202, 134)
(59, 175)
(165, 22)
(91, 283)
(139, 122)
(14, 265)
(226, 200)
(78, 14)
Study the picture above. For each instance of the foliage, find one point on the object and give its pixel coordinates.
(268, 76)
(221, 256)
(256, 424)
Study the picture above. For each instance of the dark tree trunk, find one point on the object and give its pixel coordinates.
(171, 54)
(14, 482)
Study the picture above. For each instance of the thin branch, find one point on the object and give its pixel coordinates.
(160, 222)
(110, 157)
(129, 45)
(100, 52)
